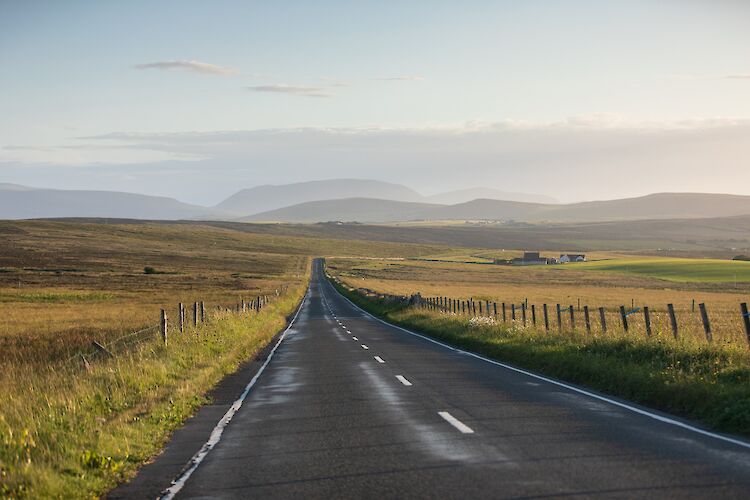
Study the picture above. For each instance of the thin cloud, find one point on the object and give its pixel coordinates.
(190, 66)
(283, 88)
(400, 78)
(738, 76)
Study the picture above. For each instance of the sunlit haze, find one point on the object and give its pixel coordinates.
(196, 100)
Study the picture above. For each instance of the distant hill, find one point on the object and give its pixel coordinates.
(21, 202)
(655, 206)
(464, 195)
(349, 209)
(270, 197)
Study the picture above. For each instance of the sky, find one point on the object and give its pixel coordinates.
(578, 100)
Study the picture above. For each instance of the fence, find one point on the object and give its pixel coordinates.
(195, 314)
(566, 318)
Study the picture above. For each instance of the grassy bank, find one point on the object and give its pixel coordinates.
(707, 383)
(72, 433)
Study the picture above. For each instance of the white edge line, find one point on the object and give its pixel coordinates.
(620, 404)
(403, 380)
(179, 482)
(462, 427)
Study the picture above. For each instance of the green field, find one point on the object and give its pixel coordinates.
(687, 270)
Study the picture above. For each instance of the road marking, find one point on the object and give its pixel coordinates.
(462, 427)
(379, 359)
(364, 347)
(179, 482)
(355, 338)
(634, 409)
(403, 380)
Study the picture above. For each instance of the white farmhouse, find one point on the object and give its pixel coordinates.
(572, 257)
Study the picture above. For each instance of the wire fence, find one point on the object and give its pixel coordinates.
(195, 315)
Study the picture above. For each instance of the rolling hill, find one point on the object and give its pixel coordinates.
(270, 197)
(21, 202)
(655, 206)
(464, 195)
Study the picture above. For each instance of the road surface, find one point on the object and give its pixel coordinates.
(349, 407)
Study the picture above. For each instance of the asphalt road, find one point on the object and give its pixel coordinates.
(349, 407)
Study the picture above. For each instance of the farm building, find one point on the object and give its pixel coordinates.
(532, 259)
(572, 257)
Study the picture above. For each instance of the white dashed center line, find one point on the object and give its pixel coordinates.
(462, 427)
(355, 338)
(379, 359)
(364, 347)
(403, 380)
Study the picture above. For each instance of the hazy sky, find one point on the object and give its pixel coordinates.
(574, 99)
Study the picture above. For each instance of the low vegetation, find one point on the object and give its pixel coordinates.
(570, 284)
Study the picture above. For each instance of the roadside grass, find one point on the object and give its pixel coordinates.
(71, 433)
(513, 285)
(707, 383)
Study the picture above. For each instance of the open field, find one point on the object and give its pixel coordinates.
(569, 284)
(722, 237)
(70, 432)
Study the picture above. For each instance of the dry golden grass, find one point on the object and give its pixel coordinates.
(514, 285)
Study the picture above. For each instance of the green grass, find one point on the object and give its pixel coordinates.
(707, 383)
(686, 270)
(76, 433)
(56, 296)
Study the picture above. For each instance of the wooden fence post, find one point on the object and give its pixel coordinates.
(487, 307)
(587, 319)
(624, 319)
(181, 316)
(603, 319)
(505, 316)
(572, 317)
(746, 319)
(163, 325)
(672, 319)
(513, 312)
(559, 318)
(480, 308)
(647, 319)
(494, 307)
(546, 318)
(203, 312)
(706, 321)
(195, 313)
(473, 307)
(533, 314)
(523, 313)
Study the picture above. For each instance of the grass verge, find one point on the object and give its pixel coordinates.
(706, 383)
(78, 434)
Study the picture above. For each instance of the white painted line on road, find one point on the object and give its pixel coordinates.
(403, 380)
(462, 427)
(179, 482)
(379, 359)
(364, 347)
(355, 338)
(620, 404)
